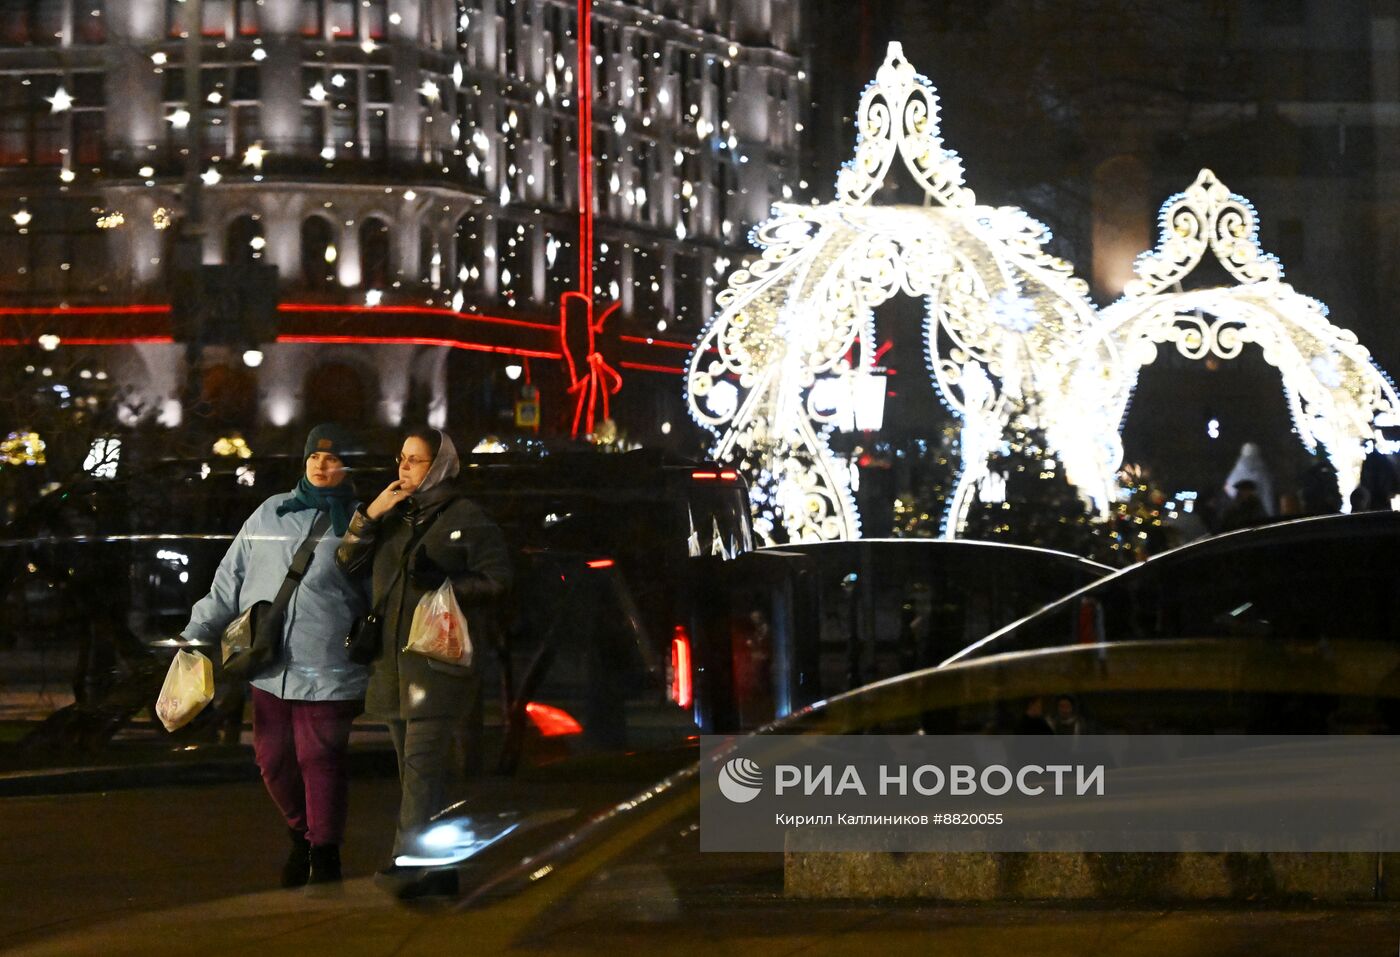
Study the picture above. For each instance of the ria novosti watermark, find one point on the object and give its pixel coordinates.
(931, 779)
(1082, 793)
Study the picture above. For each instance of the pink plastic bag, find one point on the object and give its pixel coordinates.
(439, 628)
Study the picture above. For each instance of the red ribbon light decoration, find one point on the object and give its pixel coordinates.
(591, 378)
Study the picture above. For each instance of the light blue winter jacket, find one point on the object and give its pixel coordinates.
(314, 666)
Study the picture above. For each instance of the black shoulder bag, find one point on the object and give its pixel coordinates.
(254, 639)
(365, 641)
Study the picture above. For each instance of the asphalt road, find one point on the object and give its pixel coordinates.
(71, 860)
(191, 870)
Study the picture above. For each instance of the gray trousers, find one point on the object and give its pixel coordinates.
(427, 769)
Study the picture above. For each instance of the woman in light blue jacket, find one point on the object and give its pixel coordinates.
(305, 702)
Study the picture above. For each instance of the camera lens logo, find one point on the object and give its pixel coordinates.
(740, 780)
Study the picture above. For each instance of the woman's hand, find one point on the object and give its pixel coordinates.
(390, 497)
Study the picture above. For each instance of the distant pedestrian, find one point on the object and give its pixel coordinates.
(1247, 510)
(1379, 483)
(1067, 719)
(420, 531)
(1033, 719)
(1319, 493)
(304, 702)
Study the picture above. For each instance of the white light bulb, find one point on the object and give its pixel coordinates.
(60, 101)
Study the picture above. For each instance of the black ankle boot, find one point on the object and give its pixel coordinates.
(298, 866)
(325, 864)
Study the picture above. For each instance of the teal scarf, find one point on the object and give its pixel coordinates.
(339, 500)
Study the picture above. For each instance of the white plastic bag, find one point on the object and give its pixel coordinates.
(189, 686)
(439, 628)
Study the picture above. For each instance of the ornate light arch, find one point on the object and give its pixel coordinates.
(1007, 326)
(1334, 389)
(798, 322)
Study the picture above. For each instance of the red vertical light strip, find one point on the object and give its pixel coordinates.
(592, 380)
(585, 146)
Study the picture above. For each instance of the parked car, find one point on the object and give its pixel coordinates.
(608, 552)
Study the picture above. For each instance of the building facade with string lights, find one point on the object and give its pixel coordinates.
(413, 171)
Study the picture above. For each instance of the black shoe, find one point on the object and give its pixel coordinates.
(433, 884)
(298, 866)
(325, 864)
(395, 878)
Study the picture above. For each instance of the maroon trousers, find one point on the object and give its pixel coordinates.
(300, 748)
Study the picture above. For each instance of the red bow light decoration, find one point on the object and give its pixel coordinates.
(578, 334)
(579, 321)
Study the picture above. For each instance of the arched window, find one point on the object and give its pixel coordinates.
(374, 254)
(318, 252)
(244, 242)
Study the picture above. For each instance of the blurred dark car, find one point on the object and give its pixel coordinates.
(105, 569)
(1314, 579)
(640, 860)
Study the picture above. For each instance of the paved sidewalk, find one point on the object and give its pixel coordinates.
(364, 922)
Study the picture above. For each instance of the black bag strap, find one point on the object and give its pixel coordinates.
(300, 561)
(414, 540)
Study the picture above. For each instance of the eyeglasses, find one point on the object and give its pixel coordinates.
(410, 461)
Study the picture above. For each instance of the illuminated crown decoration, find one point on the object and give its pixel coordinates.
(1006, 325)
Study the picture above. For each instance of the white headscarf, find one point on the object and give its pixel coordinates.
(445, 465)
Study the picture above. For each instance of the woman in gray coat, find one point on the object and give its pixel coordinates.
(417, 533)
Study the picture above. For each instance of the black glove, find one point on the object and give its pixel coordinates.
(426, 573)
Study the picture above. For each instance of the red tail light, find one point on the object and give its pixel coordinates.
(601, 563)
(552, 722)
(709, 475)
(682, 689)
